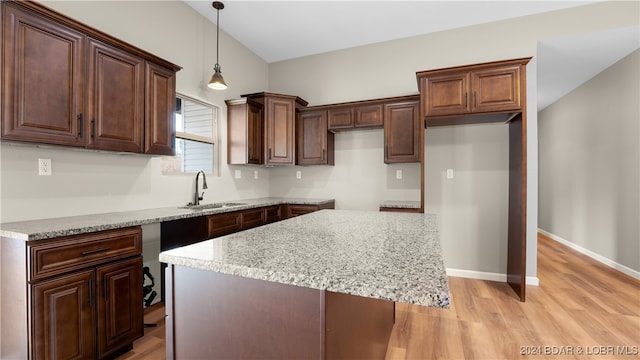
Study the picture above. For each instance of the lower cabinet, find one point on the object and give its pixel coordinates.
(294, 210)
(73, 297)
(63, 308)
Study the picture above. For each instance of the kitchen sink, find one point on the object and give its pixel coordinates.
(212, 206)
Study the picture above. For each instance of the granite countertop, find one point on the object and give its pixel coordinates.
(383, 255)
(403, 204)
(49, 228)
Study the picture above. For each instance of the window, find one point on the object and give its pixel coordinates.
(196, 137)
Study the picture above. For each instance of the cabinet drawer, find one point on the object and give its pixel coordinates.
(65, 254)
(223, 224)
(252, 218)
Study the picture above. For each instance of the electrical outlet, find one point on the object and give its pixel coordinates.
(449, 173)
(399, 174)
(44, 167)
(238, 174)
(255, 174)
(298, 174)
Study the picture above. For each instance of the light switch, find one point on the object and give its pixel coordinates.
(238, 174)
(399, 174)
(298, 174)
(449, 173)
(255, 174)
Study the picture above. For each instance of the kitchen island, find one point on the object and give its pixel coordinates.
(321, 286)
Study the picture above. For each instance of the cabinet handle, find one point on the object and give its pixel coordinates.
(90, 292)
(323, 151)
(89, 252)
(80, 125)
(93, 128)
(269, 154)
(465, 99)
(475, 100)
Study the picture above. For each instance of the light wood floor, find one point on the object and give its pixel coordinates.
(580, 306)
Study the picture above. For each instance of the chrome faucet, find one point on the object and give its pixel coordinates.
(196, 197)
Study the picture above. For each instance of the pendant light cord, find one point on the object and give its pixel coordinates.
(217, 36)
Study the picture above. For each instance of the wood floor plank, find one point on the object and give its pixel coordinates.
(579, 303)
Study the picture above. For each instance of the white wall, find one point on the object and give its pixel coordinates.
(85, 182)
(354, 74)
(359, 180)
(590, 164)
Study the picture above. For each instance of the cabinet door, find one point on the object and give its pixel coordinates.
(297, 210)
(280, 130)
(340, 118)
(368, 116)
(314, 142)
(115, 110)
(254, 133)
(42, 91)
(496, 89)
(120, 307)
(62, 320)
(273, 213)
(252, 218)
(446, 94)
(160, 103)
(402, 132)
(223, 224)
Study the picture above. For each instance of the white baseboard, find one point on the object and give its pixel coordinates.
(599, 258)
(470, 274)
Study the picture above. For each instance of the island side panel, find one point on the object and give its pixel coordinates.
(215, 315)
(357, 327)
(14, 320)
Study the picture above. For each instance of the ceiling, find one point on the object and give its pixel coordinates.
(281, 30)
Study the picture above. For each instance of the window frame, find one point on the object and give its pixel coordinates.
(214, 140)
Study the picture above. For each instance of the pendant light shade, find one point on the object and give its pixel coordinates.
(217, 82)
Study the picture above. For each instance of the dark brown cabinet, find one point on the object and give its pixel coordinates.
(67, 84)
(223, 224)
(273, 214)
(72, 297)
(244, 132)
(314, 142)
(63, 317)
(356, 116)
(160, 103)
(261, 129)
(474, 89)
(402, 132)
(43, 72)
(294, 210)
(119, 298)
(115, 106)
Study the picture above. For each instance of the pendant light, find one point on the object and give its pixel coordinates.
(217, 82)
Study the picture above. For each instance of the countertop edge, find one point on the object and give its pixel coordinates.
(134, 218)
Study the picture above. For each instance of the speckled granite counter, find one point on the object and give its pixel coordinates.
(54, 227)
(395, 204)
(390, 256)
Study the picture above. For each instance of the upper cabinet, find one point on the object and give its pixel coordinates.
(402, 132)
(115, 105)
(314, 142)
(477, 89)
(355, 117)
(244, 132)
(267, 121)
(67, 84)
